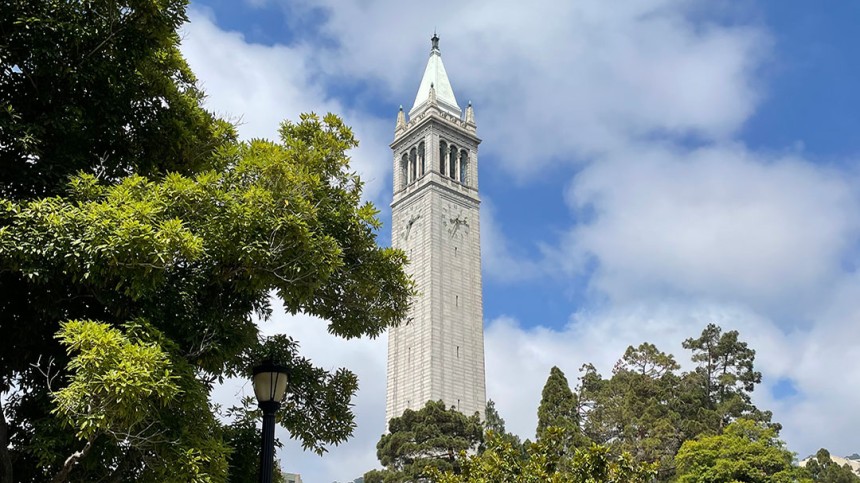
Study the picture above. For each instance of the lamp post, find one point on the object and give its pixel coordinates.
(270, 387)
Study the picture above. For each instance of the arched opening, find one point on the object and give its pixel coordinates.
(404, 161)
(413, 165)
(452, 163)
(421, 159)
(464, 165)
(443, 155)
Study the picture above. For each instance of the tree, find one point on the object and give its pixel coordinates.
(118, 385)
(637, 410)
(97, 86)
(648, 409)
(822, 468)
(493, 423)
(546, 461)
(725, 376)
(746, 451)
(243, 436)
(430, 437)
(558, 408)
(195, 258)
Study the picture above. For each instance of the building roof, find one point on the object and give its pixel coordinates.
(436, 77)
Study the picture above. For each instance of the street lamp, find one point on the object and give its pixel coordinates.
(270, 387)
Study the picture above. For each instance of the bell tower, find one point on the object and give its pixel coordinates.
(438, 351)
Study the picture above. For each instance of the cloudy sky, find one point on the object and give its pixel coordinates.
(646, 168)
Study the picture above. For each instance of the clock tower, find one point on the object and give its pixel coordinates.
(438, 351)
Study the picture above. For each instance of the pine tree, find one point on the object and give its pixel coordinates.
(724, 378)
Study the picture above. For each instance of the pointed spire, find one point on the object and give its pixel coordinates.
(436, 79)
(470, 114)
(401, 120)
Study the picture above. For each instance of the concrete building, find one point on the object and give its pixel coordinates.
(293, 477)
(438, 351)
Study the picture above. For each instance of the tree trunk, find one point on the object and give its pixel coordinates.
(71, 461)
(5, 458)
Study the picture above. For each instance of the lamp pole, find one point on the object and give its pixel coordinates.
(270, 387)
(267, 451)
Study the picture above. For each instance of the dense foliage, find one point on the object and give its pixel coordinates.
(97, 86)
(558, 408)
(550, 459)
(648, 408)
(647, 422)
(745, 451)
(822, 468)
(133, 216)
(430, 437)
(495, 424)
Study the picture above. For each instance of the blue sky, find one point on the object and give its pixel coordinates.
(647, 168)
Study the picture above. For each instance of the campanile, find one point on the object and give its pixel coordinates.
(438, 351)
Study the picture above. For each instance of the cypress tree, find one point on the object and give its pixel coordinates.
(557, 406)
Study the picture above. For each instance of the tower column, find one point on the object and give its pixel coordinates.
(437, 352)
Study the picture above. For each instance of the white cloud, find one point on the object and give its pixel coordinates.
(820, 362)
(677, 236)
(554, 80)
(765, 244)
(718, 221)
(263, 85)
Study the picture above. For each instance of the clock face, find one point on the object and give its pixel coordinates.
(456, 221)
(411, 218)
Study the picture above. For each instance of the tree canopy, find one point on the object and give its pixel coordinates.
(431, 437)
(548, 460)
(133, 216)
(648, 408)
(557, 405)
(822, 468)
(725, 375)
(745, 451)
(495, 424)
(98, 86)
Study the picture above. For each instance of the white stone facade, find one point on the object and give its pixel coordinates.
(438, 351)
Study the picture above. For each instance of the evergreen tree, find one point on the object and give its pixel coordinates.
(648, 409)
(559, 409)
(723, 380)
(637, 409)
(493, 423)
(431, 437)
(821, 468)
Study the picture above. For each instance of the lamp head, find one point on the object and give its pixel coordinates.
(270, 382)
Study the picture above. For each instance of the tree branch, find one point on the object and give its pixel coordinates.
(71, 461)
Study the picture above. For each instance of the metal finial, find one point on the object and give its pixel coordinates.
(435, 40)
